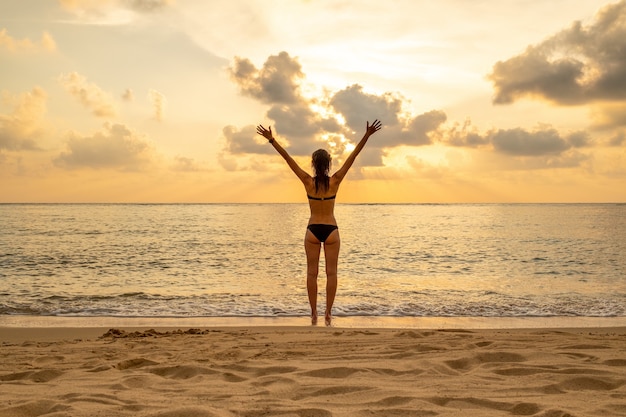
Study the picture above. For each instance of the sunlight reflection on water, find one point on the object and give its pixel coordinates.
(248, 260)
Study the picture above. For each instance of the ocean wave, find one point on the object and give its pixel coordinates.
(422, 304)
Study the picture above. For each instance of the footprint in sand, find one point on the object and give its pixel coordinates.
(331, 392)
(135, 363)
(339, 372)
(230, 377)
(35, 376)
(35, 408)
(95, 398)
(136, 381)
(590, 384)
(615, 362)
(48, 359)
(182, 371)
(184, 412)
(465, 364)
(414, 335)
(520, 409)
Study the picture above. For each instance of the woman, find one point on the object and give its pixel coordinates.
(321, 190)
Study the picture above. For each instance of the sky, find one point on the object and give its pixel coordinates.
(156, 101)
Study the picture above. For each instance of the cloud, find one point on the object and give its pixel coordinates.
(465, 135)
(227, 162)
(86, 4)
(578, 65)
(128, 95)
(102, 8)
(48, 43)
(355, 105)
(184, 164)
(20, 128)
(116, 147)
(158, 103)
(90, 95)
(518, 142)
(278, 81)
(609, 115)
(113, 12)
(246, 140)
(310, 123)
(399, 128)
(618, 140)
(302, 126)
(148, 6)
(498, 164)
(45, 44)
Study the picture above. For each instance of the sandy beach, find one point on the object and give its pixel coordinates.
(312, 371)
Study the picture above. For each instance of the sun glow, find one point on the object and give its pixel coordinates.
(435, 155)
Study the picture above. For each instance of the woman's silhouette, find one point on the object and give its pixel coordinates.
(321, 190)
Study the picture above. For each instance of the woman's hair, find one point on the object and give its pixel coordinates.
(320, 161)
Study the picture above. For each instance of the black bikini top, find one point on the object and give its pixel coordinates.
(332, 197)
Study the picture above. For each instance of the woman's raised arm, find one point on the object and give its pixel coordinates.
(369, 131)
(267, 134)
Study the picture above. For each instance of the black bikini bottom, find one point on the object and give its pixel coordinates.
(322, 231)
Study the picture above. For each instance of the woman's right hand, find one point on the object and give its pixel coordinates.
(266, 133)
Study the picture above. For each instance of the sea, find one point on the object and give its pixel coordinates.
(247, 261)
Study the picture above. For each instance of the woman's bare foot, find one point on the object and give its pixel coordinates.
(313, 319)
(328, 319)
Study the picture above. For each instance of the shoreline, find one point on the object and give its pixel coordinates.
(17, 329)
(24, 321)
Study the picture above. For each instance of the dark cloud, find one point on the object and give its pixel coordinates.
(301, 126)
(419, 129)
(11, 142)
(296, 121)
(545, 141)
(357, 107)
(245, 141)
(579, 139)
(115, 147)
(520, 142)
(278, 82)
(581, 64)
(465, 136)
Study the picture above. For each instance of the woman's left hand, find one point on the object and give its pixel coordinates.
(373, 128)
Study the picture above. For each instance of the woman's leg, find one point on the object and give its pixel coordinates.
(312, 248)
(331, 253)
